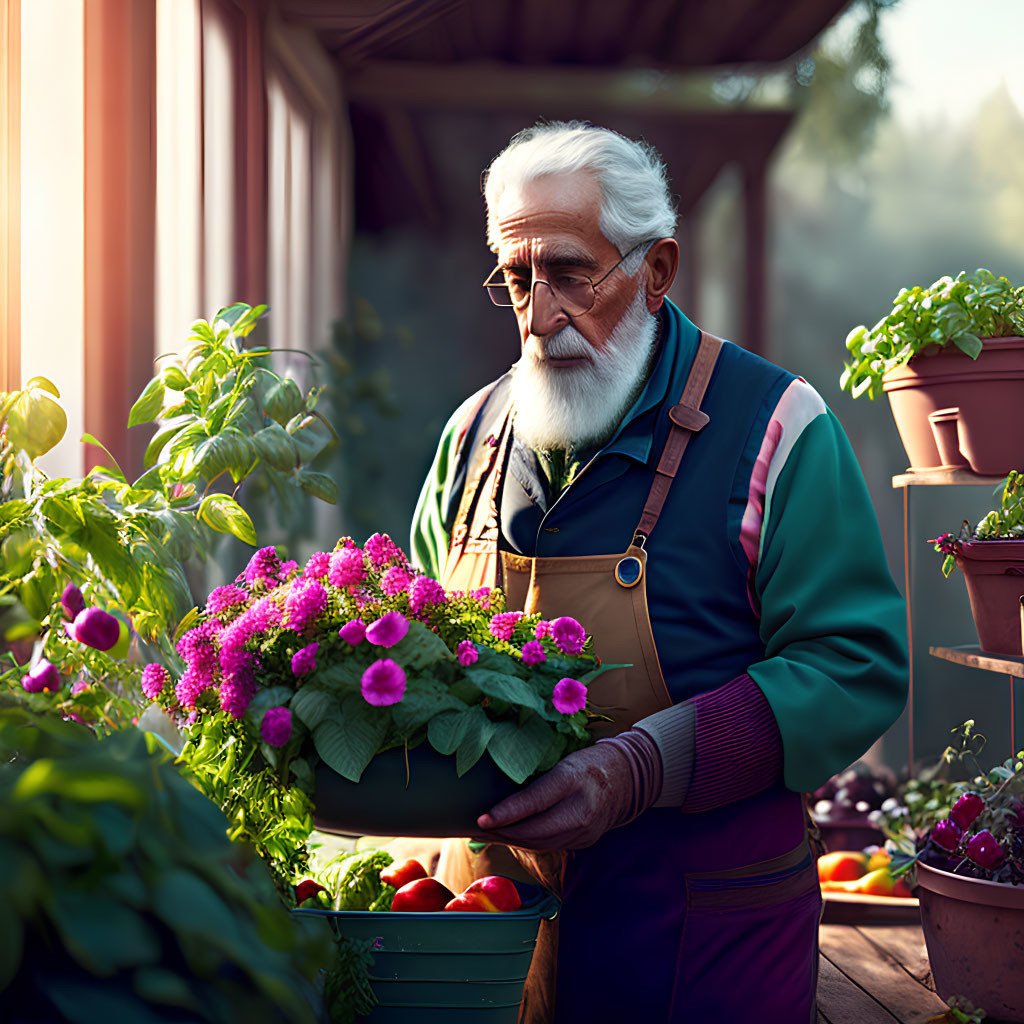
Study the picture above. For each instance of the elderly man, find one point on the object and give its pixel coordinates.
(701, 512)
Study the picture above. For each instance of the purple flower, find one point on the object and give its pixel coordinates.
(72, 601)
(287, 568)
(353, 632)
(388, 629)
(318, 565)
(276, 727)
(383, 683)
(503, 625)
(966, 809)
(264, 565)
(569, 696)
(381, 549)
(533, 652)
(396, 580)
(305, 660)
(542, 630)
(483, 595)
(984, 850)
(43, 677)
(425, 593)
(265, 613)
(96, 628)
(237, 692)
(304, 604)
(346, 567)
(467, 653)
(223, 598)
(946, 543)
(154, 679)
(568, 634)
(947, 835)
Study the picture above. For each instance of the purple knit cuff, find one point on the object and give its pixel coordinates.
(738, 746)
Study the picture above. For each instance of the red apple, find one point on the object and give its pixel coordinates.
(501, 891)
(401, 874)
(421, 895)
(472, 902)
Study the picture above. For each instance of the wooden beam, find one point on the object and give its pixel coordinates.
(483, 85)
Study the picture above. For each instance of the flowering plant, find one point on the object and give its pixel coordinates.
(972, 826)
(355, 653)
(1003, 523)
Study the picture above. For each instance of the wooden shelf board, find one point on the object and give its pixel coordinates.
(1006, 664)
(941, 477)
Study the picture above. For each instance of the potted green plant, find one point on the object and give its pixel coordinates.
(359, 684)
(950, 356)
(991, 557)
(961, 841)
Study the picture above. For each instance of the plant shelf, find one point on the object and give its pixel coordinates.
(943, 477)
(1005, 664)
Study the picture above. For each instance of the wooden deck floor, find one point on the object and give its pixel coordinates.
(875, 974)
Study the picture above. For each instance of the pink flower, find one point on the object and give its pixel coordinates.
(237, 692)
(388, 629)
(966, 809)
(984, 850)
(568, 634)
(353, 632)
(304, 604)
(381, 549)
(287, 568)
(947, 835)
(223, 598)
(383, 683)
(483, 595)
(542, 630)
(503, 625)
(318, 565)
(467, 653)
(425, 593)
(43, 677)
(80, 687)
(305, 660)
(569, 696)
(346, 567)
(264, 565)
(533, 652)
(396, 580)
(154, 679)
(276, 727)
(96, 628)
(72, 601)
(946, 543)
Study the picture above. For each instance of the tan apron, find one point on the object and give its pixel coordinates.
(586, 588)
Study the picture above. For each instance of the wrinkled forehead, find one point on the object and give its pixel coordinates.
(547, 217)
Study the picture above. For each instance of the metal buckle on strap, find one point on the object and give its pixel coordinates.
(639, 539)
(689, 418)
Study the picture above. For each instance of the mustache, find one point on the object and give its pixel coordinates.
(566, 344)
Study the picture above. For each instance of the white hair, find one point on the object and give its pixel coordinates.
(636, 203)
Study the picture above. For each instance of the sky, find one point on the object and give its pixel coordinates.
(948, 55)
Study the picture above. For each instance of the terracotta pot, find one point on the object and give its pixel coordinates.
(974, 930)
(436, 801)
(994, 573)
(989, 392)
(945, 430)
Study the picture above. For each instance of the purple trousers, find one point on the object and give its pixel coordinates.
(683, 917)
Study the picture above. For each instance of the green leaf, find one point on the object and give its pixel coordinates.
(225, 515)
(320, 485)
(161, 437)
(420, 649)
(312, 706)
(479, 729)
(117, 471)
(447, 730)
(518, 749)
(418, 707)
(505, 687)
(310, 435)
(174, 379)
(347, 742)
(102, 935)
(969, 344)
(283, 401)
(149, 404)
(275, 445)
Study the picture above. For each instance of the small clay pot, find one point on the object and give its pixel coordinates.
(944, 424)
(974, 930)
(994, 573)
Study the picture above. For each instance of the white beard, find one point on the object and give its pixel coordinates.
(581, 406)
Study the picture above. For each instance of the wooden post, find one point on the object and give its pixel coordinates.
(120, 220)
(755, 289)
(10, 194)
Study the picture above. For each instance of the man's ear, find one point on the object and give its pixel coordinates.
(662, 260)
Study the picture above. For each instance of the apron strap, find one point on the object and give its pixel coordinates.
(687, 420)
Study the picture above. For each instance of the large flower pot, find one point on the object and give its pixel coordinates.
(988, 391)
(994, 573)
(974, 930)
(434, 801)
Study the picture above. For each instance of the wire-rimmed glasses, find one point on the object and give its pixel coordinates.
(574, 293)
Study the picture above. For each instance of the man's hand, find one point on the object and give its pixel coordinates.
(581, 798)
